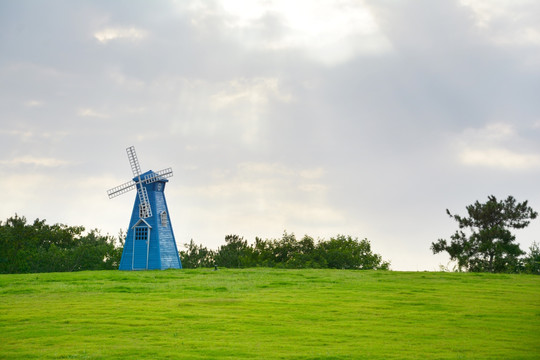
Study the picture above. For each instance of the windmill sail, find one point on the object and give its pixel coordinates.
(144, 204)
(144, 207)
(121, 189)
(133, 161)
(161, 174)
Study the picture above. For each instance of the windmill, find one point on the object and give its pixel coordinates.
(150, 242)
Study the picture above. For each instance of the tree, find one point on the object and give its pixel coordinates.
(344, 252)
(236, 253)
(341, 252)
(531, 263)
(196, 256)
(484, 241)
(306, 255)
(39, 247)
(263, 253)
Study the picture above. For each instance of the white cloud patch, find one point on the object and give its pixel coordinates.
(34, 103)
(125, 81)
(35, 161)
(29, 196)
(26, 195)
(29, 135)
(329, 32)
(499, 146)
(132, 34)
(256, 91)
(268, 188)
(499, 158)
(23, 135)
(136, 109)
(88, 112)
(236, 107)
(510, 23)
(259, 199)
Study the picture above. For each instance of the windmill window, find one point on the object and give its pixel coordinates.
(164, 220)
(141, 233)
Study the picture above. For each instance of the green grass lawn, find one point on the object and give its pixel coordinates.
(269, 314)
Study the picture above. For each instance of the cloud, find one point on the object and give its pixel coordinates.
(499, 158)
(129, 83)
(34, 103)
(328, 32)
(233, 109)
(509, 23)
(32, 135)
(132, 34)
(256, 91)
(88, 112)
(30, 196)
(269, 190)
(258, 199)
(36, 161)
(23, 135)
(491, 133)
(499, 146)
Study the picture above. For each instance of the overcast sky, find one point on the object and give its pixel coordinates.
(364, 118)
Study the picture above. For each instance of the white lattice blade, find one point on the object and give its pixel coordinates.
(133, 161)
(161, 174)
(145, 210)
(121, 189)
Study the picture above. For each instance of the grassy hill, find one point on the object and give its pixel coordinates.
(269, 314)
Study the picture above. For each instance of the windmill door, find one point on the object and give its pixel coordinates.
(141, 247)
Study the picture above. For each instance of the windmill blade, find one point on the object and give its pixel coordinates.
(144, 203)
(121, 189)
(161, 174)
(133, 161)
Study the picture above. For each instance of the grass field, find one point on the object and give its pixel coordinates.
(269, 314)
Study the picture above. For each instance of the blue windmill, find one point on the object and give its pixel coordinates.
(150, 242)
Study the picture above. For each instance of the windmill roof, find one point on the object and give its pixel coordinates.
(142, 221)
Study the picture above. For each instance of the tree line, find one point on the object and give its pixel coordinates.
(340, 252)
(483, 242)
(39, 247)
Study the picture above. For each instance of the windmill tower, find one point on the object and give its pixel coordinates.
(150, 240)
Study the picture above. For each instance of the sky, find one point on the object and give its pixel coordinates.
(362, 118)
